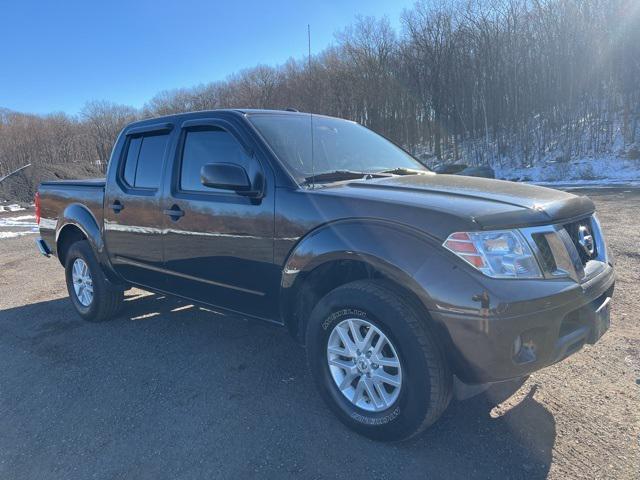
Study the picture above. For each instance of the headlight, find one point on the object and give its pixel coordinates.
(604, 254)
(498, 254)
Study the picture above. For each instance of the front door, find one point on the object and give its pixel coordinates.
(133, 218)
(218, 244)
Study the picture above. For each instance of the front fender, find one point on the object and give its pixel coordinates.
(397, 251)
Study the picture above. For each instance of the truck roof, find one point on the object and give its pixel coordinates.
(237, 111)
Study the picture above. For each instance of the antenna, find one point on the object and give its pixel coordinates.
(313, 173)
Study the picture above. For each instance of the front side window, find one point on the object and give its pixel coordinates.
(337, 145)
(143, 163)
(208, 145)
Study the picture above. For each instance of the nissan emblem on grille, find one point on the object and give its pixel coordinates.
(585, 239)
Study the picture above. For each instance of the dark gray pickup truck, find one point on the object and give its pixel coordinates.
(405, 286)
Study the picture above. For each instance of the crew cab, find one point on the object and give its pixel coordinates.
(400, 282)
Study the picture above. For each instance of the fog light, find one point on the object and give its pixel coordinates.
(527, 351)
(517, 345)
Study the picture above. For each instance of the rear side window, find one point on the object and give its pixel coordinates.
(143, 164)
(131, 162)
(203, 146)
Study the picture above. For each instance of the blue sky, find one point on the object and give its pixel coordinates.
(55, 56)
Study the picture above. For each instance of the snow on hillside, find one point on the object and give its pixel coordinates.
(609, 170)
(562, 160)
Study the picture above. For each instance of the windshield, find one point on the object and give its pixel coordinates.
(338, 145)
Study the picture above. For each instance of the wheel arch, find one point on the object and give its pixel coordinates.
(67, 236)
(77, 222)
(345, 251)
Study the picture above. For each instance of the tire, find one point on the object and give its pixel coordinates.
(106, 297)
(426, 381)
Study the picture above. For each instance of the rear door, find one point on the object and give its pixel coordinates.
(219, 247)
(133, 217)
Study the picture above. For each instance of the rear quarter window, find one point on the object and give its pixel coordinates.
(143, 162)
(131, 161)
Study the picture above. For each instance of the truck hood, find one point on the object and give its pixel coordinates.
(485, 202)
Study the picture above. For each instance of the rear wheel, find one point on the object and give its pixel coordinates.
(93, 296)
(376, 361)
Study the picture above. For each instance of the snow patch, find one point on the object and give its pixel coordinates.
(4, 235)
(11, 208)
(16, 226)
(20, 221)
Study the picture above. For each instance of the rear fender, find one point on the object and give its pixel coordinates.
(79, 216)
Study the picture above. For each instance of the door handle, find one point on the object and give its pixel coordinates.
(174, 212)
(116, 206)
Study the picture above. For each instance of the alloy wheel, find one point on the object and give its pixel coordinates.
(82, 282)
(364, 365)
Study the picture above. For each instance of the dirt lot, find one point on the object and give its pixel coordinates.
(169, 390)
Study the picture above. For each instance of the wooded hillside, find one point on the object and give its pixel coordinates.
(505, 82)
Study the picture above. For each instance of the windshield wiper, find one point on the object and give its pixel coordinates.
(403, 171)
(338, 175)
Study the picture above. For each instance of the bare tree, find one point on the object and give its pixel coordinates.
(104, 120)
(507, 82)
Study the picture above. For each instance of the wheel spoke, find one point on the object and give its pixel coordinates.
(76, 270)
(343, 352)
(386, 378)
(344, 364)
(373, 395)
(382, 340)
(346, 341)
(347, 380)
(358, 393)
(355, 332)
(387, 362)
(366, 342)
(382, 392)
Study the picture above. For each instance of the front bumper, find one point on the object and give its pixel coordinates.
(550, 329)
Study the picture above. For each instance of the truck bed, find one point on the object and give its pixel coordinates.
(57, 196)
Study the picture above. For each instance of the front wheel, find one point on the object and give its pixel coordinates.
(376, 361)
(93, 296)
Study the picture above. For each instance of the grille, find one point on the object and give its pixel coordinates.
(545, 252)
(573, 229)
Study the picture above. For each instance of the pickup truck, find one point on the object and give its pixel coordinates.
(406, 287)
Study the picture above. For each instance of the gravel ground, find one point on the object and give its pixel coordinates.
(169, 390)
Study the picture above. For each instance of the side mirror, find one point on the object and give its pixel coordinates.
(226, 176)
